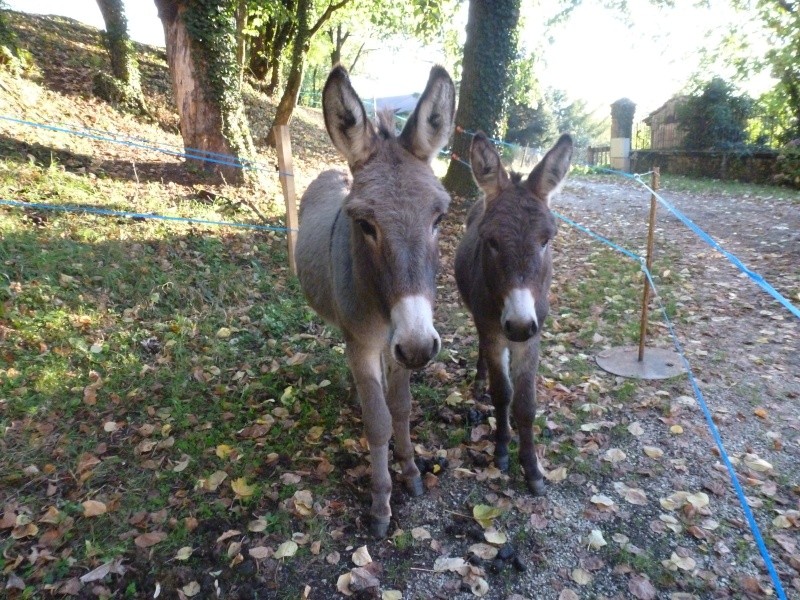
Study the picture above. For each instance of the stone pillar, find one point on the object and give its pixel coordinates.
(622, 112)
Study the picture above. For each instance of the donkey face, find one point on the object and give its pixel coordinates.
(395, 206)
(515, 234)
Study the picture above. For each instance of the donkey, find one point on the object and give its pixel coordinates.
(367, 255)
(503, 270)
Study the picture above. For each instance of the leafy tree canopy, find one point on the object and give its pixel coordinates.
(714, 117)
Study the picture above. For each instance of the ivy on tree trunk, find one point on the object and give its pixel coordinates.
(205, 81)
(489, 50)
(125, 89)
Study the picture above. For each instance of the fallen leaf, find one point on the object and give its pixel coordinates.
(484, 551)
(94, 508)
(653, 451)
(458, 565)
(595, 540)
(641, 588)
(493, 536)
(184, 553)
(614, 455)
(191, 589)
(214, 480)
(753, 461)
(241, 488)
(698, 500)
(635, 428)
(152, 538)
(223, 451)
(303, 503)
(602, 500)
(260, 552)
(343, 584)
(420, 533)
(675, 562)
(581, 576)
(485, 514)
(257, 525)
(286, 550)
(391, 595)
(361, 557)
(676, 429)
(556, 475)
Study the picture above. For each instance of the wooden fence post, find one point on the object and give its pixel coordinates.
(283, 145)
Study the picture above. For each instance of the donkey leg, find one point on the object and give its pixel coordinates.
(479, 386)
(496, 356)
(398, 397)
(368, 375)
(524, 364)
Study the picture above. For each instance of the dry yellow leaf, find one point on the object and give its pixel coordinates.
(241, 488)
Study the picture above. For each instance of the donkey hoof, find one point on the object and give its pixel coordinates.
(536, 486)
(378, 527)
(501, 461)
(414, 486)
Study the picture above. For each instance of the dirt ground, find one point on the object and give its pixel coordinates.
(743, 350)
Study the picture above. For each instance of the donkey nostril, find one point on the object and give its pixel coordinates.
(507, 326)
(435, 348)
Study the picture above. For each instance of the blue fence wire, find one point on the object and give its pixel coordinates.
(756, 277)
(115, 138)
(133, 215)
(698, 394)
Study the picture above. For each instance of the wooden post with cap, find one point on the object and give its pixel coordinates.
(283, 146)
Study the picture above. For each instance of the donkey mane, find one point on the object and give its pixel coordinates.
(385, 122)
(515, 177)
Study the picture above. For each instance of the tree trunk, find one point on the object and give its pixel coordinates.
(124, 67)
(282, 37)
(241, 40)
(302, 41)
(283, 113)
(203, 68)
(489, 49)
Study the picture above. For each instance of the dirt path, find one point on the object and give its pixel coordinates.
(744, 352)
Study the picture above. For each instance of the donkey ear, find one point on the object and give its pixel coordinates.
(346, 120)
(547, 176)
(431, 124)
(487, 170)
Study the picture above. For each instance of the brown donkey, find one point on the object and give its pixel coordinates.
(503, 269)
(367, 255)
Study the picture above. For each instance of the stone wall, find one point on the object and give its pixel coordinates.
(752, 167)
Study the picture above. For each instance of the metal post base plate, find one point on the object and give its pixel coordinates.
(658, 363)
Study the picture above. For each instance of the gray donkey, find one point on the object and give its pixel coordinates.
(504, 266)
(367, 255)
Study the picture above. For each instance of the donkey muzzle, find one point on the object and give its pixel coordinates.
(519, 319)
(414, 341)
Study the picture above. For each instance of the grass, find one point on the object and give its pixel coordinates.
(144, 348)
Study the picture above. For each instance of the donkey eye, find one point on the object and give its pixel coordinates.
(545, 243)
(368, 228)
(493, 245)
(437, 222)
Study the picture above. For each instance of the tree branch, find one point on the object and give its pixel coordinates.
(332, 7)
